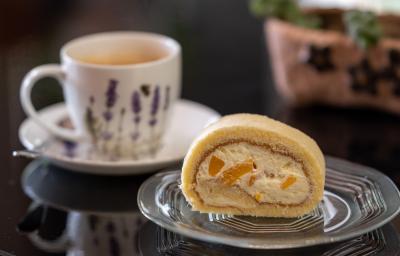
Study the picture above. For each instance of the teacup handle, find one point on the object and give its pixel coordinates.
(60, 244)
(49, 70)
(30, 225)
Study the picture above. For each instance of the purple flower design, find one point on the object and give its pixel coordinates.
(154, 106)
(153, 121)
(136, 106)
(69, 148)
(106, 135)
(107, 115)
(89, 115)
(156, 101)
(114, 247)
(167, 95)
(111, 93)
(110, 227)
(135, 135)
(93, 222)
(122, 113)
(90, 122)
(111, 98)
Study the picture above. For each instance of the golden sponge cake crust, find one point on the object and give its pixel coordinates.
(252, 131)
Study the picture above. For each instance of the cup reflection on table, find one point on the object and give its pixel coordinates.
(96, 234)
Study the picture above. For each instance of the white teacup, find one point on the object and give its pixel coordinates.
(118, 88)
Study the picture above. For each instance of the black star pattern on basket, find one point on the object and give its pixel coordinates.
(320, 58)
(392, 72)
(363, 78)
(396, 90)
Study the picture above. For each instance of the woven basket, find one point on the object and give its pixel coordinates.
(326, 66)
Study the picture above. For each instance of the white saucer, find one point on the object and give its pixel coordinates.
(188, 119)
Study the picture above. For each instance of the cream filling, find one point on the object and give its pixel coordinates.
(272, 169)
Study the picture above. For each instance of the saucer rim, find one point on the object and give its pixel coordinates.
(124, 164)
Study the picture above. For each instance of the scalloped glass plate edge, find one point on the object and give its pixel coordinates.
(148, 206)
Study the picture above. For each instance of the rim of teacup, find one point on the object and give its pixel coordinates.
(170, 43)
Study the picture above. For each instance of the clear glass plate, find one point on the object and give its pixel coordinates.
(357, 199)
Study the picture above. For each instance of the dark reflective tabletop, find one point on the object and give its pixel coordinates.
(224, 66)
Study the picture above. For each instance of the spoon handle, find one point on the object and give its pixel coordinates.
(26, 153)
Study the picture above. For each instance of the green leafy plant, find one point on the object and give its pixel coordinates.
(363, 27)
(287, 10)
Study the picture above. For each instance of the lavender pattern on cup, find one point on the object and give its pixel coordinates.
(69, 147)
(93, 221)
(167, 98)
(114, 247)
(117, 147)
(92, 122)
(136, 109)
(106, 140)
(91, 100)
(106, 135)
(154, 106)
(111, 98)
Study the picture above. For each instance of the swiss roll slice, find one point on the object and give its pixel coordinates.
(248, 164)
